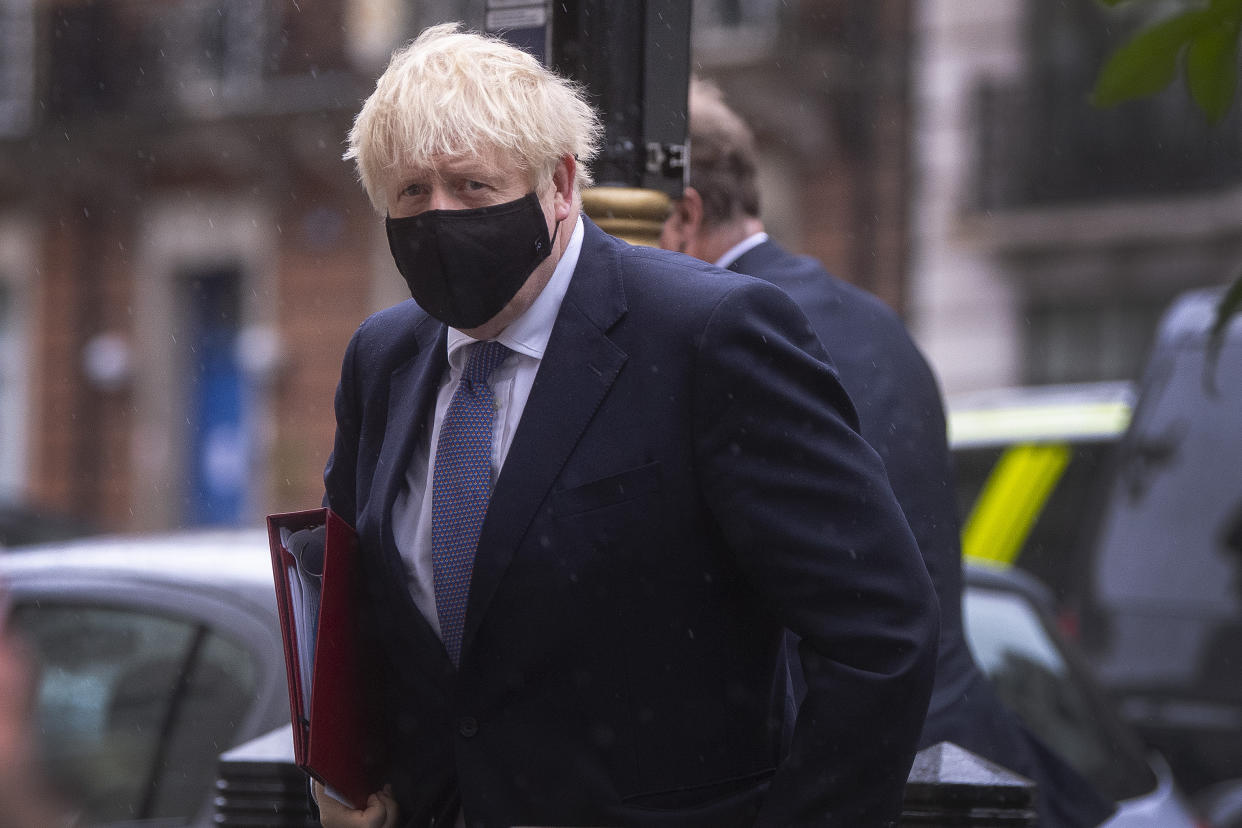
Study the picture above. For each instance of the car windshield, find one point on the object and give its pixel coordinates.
(1036, 678)
(1025, 504)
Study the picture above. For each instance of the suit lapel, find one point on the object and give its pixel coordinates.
(577, 370)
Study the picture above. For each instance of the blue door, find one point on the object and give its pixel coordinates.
(219, 469)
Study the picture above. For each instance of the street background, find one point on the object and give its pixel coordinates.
(184, 254)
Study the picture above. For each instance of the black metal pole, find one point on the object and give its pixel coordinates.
(601, 46)
(633, 57)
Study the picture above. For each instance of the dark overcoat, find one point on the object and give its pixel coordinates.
(686, 481)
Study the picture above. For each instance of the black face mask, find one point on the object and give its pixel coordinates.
(464, 266)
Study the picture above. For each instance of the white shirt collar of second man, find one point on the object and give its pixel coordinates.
(740, 249)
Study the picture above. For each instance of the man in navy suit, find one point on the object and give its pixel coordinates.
(898, 403)
(589, 631)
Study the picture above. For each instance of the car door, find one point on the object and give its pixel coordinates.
(1166, 615)
(140, 687)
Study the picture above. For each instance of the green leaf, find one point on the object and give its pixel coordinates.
(1148, 62)
(1212, 68)
(1227, 9)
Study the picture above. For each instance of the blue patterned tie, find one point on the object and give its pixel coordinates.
(460, 488)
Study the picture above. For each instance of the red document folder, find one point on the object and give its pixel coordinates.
(335, 738)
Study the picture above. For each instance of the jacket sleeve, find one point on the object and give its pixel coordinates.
(340, 474)
(806, 508)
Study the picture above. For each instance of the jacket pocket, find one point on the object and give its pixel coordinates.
(607, 491)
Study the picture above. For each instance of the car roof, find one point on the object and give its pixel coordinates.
(1190, 318)
(209, 558)
(1040, 413)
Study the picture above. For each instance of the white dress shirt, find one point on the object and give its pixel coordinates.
(527, 336)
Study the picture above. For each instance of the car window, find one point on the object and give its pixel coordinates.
(1035, 678)
(133, 706)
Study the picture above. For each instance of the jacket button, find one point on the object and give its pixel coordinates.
(467, 726)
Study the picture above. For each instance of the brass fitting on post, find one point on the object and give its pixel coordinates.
(630, 213)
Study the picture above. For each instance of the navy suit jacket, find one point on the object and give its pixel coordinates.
(902, 417)
(686, 481)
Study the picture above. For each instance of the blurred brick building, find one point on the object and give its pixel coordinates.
(1046, 236)
(183, 254)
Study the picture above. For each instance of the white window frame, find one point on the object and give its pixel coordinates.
(178, 236)
(752, 38)
(17, 262)
(17, 41)
(194, 80)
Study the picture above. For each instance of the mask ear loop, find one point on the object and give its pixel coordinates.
(552, 241)
(555, 230)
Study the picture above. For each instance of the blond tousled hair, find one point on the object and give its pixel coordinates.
(456, 93)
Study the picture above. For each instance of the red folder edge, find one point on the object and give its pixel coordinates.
(334, 739)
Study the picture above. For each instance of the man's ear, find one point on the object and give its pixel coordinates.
(690, 212)
(684, 223)
(563, 182)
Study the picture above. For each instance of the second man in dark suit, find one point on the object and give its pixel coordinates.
(902, 417)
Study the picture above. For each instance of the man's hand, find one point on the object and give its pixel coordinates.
(381, 811)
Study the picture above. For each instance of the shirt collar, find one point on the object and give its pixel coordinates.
(741, 248)
(529, 333)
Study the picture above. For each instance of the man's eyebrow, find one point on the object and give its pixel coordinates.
(467, 164)
(468, 171)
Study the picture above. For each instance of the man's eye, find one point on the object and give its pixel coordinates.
(475, 185)
(413, 190)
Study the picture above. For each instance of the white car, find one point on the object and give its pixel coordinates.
(156, 654)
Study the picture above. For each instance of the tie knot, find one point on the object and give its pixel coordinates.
(484, 358)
